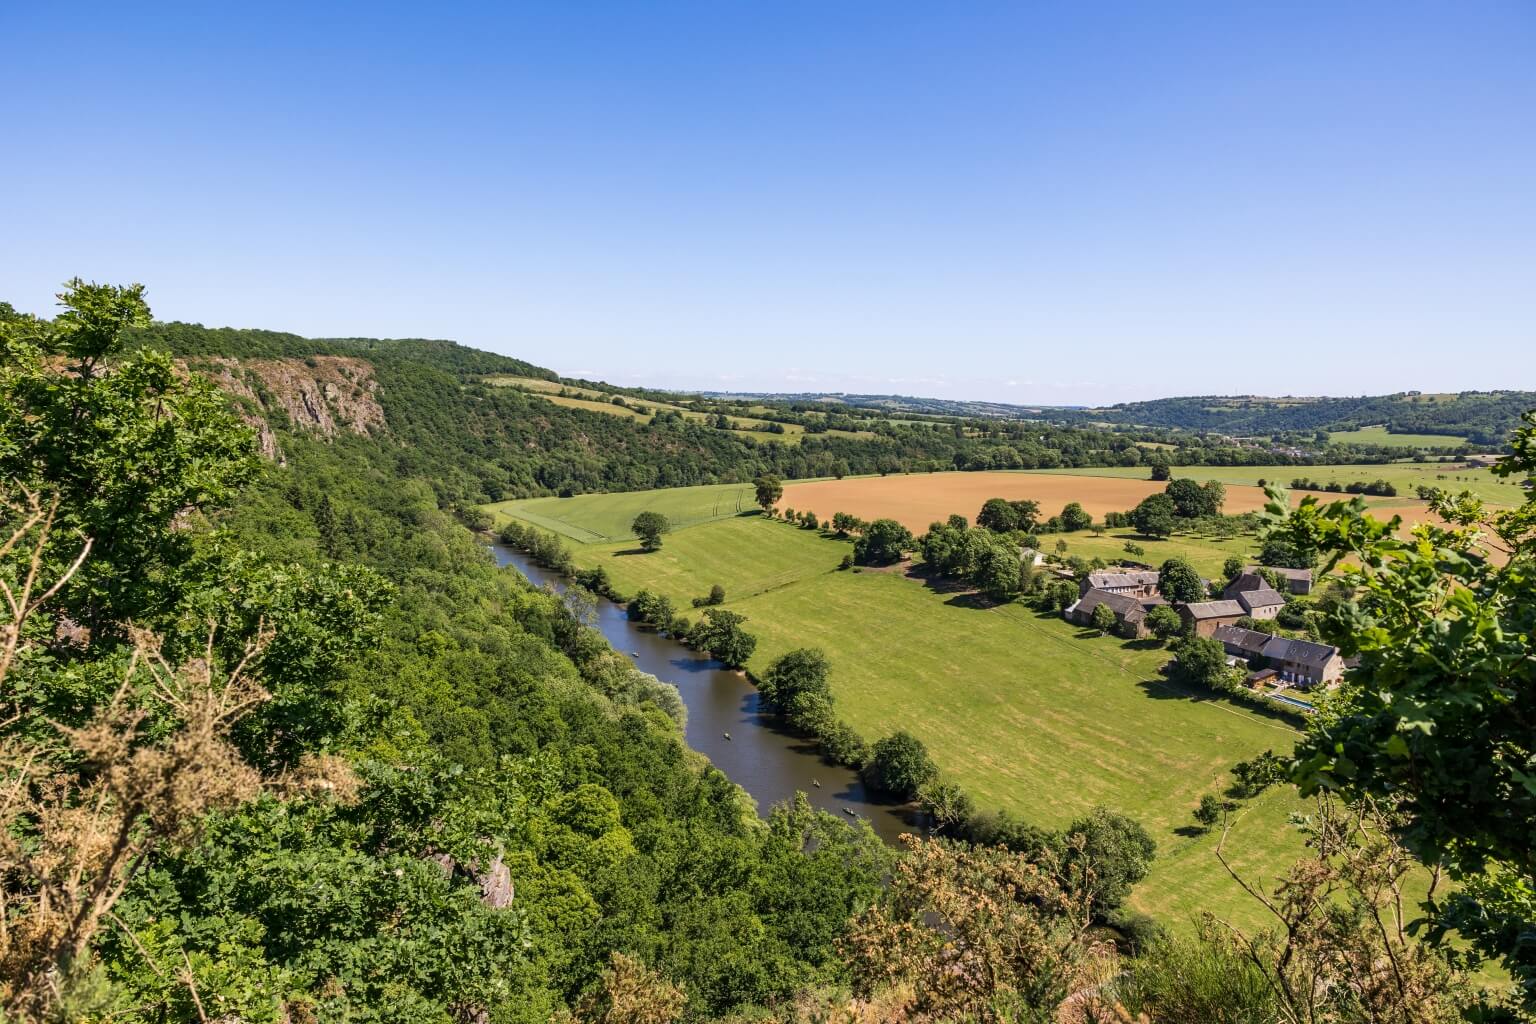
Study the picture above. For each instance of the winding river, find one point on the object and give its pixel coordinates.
(726, 724)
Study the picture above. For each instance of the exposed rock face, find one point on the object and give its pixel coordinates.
(324, 394)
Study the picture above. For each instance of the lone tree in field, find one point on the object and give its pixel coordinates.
(1161, 470)
(649, 526)
(1178, 581)
(769, 490)
(1209, 812)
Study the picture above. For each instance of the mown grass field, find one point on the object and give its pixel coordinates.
(600, 518)
(1380, 435)
(1025, 711)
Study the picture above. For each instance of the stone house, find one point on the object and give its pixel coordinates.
(1130, 613)
(1205, 616)
(1135, 583)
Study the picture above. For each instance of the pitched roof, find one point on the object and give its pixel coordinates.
(1123, 605)
(1249, 641)
(1304, 652)
(1215, 610)
(1245, 580)
(1107, 580)
(1290, 574)
(1266, 598)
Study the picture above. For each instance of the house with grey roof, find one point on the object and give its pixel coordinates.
(1302, 663)
(1204, 616)
(1133, 583)
(1130, 613)
(1297, 581)
(1260, 604)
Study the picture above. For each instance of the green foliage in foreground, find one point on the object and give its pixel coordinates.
(1440, 717)
(482, 738)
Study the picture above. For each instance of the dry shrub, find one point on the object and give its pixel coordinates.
(81, 808)
(632, 993)
(976, 934)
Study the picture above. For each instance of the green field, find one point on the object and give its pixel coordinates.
(1379, 435)
(1206, 554)
(598, 518)
(1022, 709)
(1405, 476)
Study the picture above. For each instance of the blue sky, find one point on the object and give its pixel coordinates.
(1032, 202)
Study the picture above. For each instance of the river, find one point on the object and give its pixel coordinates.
(758, 756)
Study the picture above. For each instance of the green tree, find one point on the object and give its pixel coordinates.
(899, 765)
(1154, 516)
(1209, 812)
(769, 490)
(884, 541)
(1439, 718)
(1160, 469)
(1202, 661)
(649, 526)
(1103, 618)
(1074, 517)
(1190, 500)
(1116, 849)
(1164, 623)
(1231, 568)
(719, 632)
(794, 674)
(126, 442)
(1179, 581)
(998, 515)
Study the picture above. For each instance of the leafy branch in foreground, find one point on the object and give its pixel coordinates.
(1439, 719)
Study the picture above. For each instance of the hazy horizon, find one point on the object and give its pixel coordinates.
(1052, 204)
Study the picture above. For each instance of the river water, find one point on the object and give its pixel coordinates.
(726, 724)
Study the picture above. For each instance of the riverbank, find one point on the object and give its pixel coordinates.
(761, 757)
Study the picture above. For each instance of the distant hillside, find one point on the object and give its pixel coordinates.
(907, 403)
(1476, 417)
(1482, 417)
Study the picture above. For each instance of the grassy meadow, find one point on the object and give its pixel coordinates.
(1025, 711)
(1380, 435)
(602, 518)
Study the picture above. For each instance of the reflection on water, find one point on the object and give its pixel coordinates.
(767, 762)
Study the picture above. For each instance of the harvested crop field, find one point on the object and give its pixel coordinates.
(917, 499)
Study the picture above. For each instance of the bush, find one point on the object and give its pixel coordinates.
(1137, 931)
(715, 596)
(899, 765)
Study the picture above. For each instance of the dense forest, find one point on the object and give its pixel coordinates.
(281, 744)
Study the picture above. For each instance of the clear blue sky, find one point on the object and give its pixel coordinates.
(1066, 202)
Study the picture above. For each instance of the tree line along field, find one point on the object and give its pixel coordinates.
(1405, 476)
(1025, 711)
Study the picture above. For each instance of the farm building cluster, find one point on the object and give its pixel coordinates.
(1131, 594)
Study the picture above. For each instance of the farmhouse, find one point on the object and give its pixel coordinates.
(1132, 584)
(1205, 616)
(1130, 613)
(1300, 662)
(1260, 604)
(1298, 581)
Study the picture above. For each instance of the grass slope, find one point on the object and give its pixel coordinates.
(1380, 435)
(1024, 710)
(601, 518)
